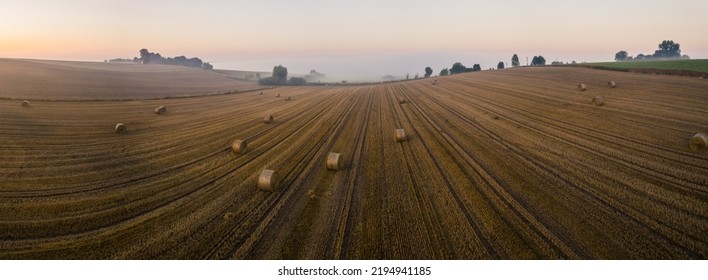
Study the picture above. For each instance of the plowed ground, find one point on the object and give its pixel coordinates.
(513, 164)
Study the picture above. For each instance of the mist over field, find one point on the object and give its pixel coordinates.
(372, 66)
(368, 67)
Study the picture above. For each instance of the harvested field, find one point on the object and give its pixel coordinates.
(512, 164)
(69, 80)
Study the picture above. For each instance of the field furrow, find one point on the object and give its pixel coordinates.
(512, 164)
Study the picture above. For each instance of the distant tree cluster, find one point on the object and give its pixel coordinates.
(147, 57)
(124, 60)
(668, 49)
(280, 77)
(458, 68)
(444, 72)
(314, 76)
(538, 61)
(296, 81)
(500, 65)
(622, 55)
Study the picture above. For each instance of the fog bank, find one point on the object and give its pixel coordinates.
(371, 67)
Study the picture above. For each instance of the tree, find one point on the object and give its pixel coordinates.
(538, 61)
(457, 68)
(207, 66)
(668, 48)
(145, 56)
(500, 65)
(416, 76)
(428, 71)
(279, 77)
(408, 76)
(515, 61)
(297, 81)
(444, 72)
(280, 73)
(314, 76)
(621, 55)
(476, 68)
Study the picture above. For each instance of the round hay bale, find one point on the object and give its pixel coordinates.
(268, 119)
(287, 98)
(698, 142)
(598, 101)
(25, 103)
(239, 146)
(120, 128)
(260, 93)
(160, 110)
(334, 161)
(611, 84)
(268, 180)
(277, 95)
(400, 135)
(402, 100)
(582, 87)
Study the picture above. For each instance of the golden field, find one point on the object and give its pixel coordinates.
(72, 80)
(507, 164)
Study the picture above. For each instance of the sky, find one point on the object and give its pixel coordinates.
(355, 40)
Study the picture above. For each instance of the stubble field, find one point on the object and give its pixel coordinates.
(35, 79)
(512, 164)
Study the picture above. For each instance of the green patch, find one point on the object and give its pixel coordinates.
(697, 65)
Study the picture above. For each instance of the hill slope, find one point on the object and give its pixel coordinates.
(65, 80)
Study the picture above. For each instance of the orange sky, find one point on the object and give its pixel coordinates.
(233, 30)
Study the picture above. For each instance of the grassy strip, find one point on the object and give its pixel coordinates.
(688, 67)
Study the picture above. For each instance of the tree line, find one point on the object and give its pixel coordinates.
(147, 57)
(458, 67)
(668, 49)
(280, 77)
